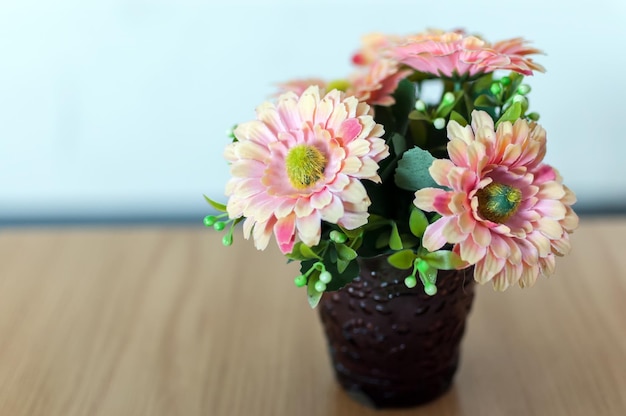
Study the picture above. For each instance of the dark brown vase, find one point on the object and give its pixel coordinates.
(392, 346)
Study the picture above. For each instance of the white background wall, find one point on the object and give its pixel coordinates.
(117, 109)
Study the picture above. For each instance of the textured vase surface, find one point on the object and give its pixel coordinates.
(392, 346)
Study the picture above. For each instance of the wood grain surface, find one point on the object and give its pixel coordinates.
(166, 321)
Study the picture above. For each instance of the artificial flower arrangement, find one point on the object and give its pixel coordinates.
(366, 166)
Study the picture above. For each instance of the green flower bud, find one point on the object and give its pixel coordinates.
(410, 282)
(227, 240)
(320, 286)
(325, 277)
(430, 289)
(496, 88)
(439, 123)
(338, 237)
(300, 280)
(420, 105)
(219, 226)
(533, 116)
(523, 89)
(505, 80)
(519, 99)
(448, 98)
(209, 220)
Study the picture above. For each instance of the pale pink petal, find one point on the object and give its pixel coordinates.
(261, 233)
(470, 251)
(355, 192)
(321, 199)
(309, 229)
(452, 232)
(433, 199)
(550, 228)
(284, 230)
(439, 171)
(488, 267)
(353, 220)
(561, 247)
(352, 165)
(481, 235)
(462, 134)
(541, 242)
(457, 149)
(349, 130)
(303, 207)
(333, 211)
(466, 222)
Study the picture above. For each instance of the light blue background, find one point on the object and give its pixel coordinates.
(117, 109)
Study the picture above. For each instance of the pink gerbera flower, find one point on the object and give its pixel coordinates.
(373, 84)
(456, 54)
(506, 211)
(301, 162)
(376, 83)
(374, 46)
(299, 85)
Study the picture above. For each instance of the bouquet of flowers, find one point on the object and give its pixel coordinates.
(369, 165)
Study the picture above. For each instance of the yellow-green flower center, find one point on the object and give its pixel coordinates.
(339, 84)
(305, 166)
(498, 202)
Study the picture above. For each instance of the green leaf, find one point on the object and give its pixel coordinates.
(458, 118)
(352, 234)
(308, 252)
(216, 205)
(418, 222)
(402, 259)
(409, 241)
(511, 114)
(382, 240)
(485, 100)
(313, 295)
(483, 83)
(516, 80)
(296, 254)
(399, 143)
(418, 115)
(443, 260)
(395, 242)
(344, 252)
(405, 100)
(412, 171)
(342, 265)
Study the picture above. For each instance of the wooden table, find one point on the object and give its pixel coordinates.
(166, 321)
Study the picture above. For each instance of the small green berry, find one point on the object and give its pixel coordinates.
(533, 116)
(320, 286)
(523, 89)
(219, 226)
(430, 289)
(209, 220)
(338, 237)
(496, 88)
(300, 280)
(325, 277)
(519, 99)
(410, 282)
(448, 98)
